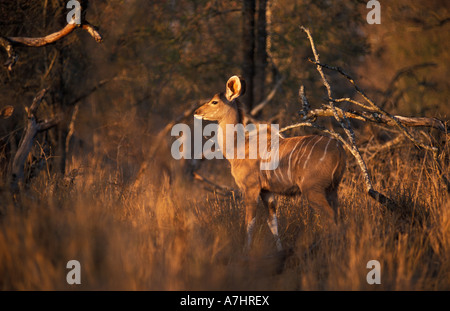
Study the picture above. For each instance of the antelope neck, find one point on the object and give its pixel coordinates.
(231, 117)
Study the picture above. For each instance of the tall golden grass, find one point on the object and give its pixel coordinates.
(171, 234)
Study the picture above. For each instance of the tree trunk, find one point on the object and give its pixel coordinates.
(59, 96)
(34, 126)
(261, 53)
(248, 48)
(59, 100)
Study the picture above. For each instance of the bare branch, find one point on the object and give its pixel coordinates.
(42, 41)
(6, 112)
(305, 104)
(355, 102)
(93, 31)
(376, 118)
(45, 125)
(269, 97)
(8, 43)
(12, 55)
(377, 109)
(33, 127)
(403, 71)
(387, 146)
(36, 102)
(379, 197)
(343, 121)
(374, 114)
(223, 190)
(90, 91)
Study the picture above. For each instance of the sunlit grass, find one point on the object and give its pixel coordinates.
(171, 234)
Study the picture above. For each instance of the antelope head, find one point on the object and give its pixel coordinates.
(222, 104)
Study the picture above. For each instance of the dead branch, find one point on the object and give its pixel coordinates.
(376, 118)
(374, 114)
(11, 53)
(34, 126)
(220, 189)
(269, 97)
(345, 124)
(6, 112)
(403, 71)
(9, 43)
(379, 197)
(396, 121)
(388, 145)
(91, 90)
(377, 109)
(305, 104)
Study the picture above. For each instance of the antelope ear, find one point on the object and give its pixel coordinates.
(6, 112)
(235, 87)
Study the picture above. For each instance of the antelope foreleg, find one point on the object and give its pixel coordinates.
(251, 203)
(250, 229)
(273, 225)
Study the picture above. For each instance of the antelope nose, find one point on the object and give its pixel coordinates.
(197, 115)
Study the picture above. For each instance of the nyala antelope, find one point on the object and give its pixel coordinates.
(311, 165)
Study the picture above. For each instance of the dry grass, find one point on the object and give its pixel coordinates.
(157, 236)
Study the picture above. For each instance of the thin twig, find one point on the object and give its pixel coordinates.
(224, 190)
(8, 43)
(269, 97)
(374, 107)
(343, 121)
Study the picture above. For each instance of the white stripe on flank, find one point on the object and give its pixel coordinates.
(304, 150)
(281, 178)
(276, 174)
(325, 152)
(289, 162)
(312, 148)
(273, 224)
(301, 146)
(334, 171)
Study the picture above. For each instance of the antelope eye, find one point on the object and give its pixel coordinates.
(214, 102)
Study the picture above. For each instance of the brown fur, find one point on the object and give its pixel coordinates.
(311, 165)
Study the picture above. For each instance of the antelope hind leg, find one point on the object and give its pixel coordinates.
(318, 200)
(251, 203)
(270, 203)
